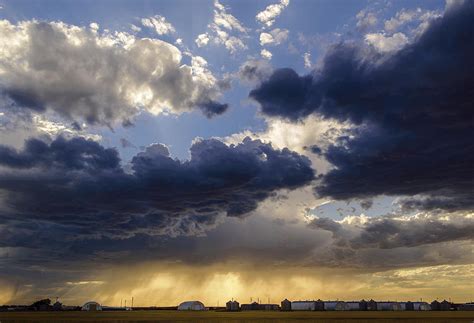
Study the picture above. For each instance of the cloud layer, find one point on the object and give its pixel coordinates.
(391, 232)
(80, 186)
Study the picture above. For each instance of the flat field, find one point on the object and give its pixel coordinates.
(248, 316)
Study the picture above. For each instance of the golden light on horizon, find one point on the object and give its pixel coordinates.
(168, 285)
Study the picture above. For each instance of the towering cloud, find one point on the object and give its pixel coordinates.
(103, 78)
(411, 110)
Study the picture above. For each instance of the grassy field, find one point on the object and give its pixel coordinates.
(250, 316)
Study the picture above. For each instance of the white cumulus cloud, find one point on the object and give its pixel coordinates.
(384, 43)
(202, 40)
(267, 17)
(102, 78)
(225, 20)
(274, 37)
(266, 54)
(159, 24)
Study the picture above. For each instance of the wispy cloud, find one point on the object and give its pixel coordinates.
(224, 30)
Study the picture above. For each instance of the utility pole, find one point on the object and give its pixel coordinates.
(132, 301)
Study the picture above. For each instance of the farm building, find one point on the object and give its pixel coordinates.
(303, 306)
(91, 306)
(57, 306)
(396, 306)
(466, 307)
(421, 306)
(371, 305)
(259, 307)
(389, 306)
(336, 306)
(285, 305)
(353, 306)
(440, 306)
(445, 306)
(409, 306)
(232, 306)
(250, 307)
(330, 305)
(342, 306)
(270, 307)
(191, 306)
(319, 305)
(307, 305)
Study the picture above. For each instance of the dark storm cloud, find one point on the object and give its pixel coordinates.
(285, 94)
(212, 108)
(316, 150)
(413, 112)
(79, 187)
(461, 201)
(68, 155)
(389, 233)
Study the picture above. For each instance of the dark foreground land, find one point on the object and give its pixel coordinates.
(250, 316)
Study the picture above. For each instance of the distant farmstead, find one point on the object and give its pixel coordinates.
(91, 306)
(191, 306)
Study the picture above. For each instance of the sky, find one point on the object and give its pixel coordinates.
(209, 150)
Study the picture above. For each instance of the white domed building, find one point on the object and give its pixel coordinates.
(191, 306)
(91, 306)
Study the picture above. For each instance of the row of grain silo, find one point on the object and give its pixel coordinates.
(320, 305)
(362, 305)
